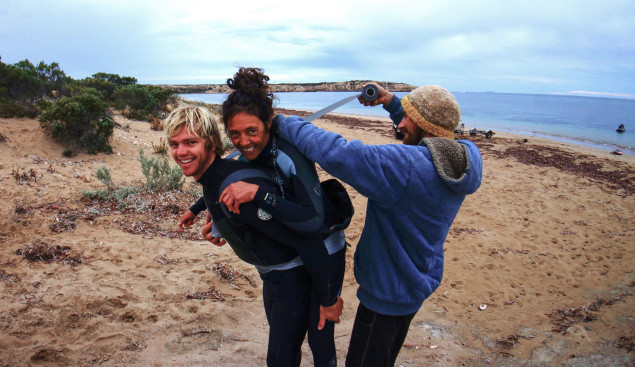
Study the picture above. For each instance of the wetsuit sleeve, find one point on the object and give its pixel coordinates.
(198, 206)
(297, 214)
(311, 249)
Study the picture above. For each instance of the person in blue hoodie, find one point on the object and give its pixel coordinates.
(414, 192)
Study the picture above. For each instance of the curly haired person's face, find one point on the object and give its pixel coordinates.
(190, 154)
(248, 134)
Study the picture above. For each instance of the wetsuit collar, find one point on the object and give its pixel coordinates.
(265, 158)
(209, 172)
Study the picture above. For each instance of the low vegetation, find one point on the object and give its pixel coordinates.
(75, 112)
(160, 177)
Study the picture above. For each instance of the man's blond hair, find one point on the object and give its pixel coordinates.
(199, 121)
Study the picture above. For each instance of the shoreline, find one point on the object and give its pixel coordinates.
(566, 143)
(609, 145)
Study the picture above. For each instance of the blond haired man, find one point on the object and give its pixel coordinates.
(285, 259)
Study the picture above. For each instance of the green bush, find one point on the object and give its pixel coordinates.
(118, 195)
(103, 174)
(96, 194)
(23, 85)
(142, 101)
(17, 109)
(138, 99)
(159, 175)
(115, 79)
(80, 121)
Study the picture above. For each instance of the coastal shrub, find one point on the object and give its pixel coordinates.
(156, 124)
(115, 79)
(161, 147)
(159, 175)
(103, 174)
(137, 98)
(106, 88)
(118, 195)
(106, 83)
(96, 194)
(142, 102)
(23, 84)
(80, 121)
(17, 109)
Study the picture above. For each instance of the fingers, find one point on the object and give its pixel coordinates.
(232, 205)
(206, 231)
(332, 313)
(321, 323)
(218, 241)
(186, 220)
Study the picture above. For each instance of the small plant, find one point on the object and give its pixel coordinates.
(25, 176)
(161, 148)
(103, 174)
(96, 194)
(118, 195)
(156, 124)
(159, 175)
(68, 152)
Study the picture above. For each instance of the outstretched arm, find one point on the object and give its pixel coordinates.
(379, 172)
(189, 217)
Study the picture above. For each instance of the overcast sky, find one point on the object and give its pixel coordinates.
(555, 46)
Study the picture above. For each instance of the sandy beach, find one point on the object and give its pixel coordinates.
(539, 263)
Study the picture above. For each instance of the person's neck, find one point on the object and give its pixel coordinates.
(207, 165)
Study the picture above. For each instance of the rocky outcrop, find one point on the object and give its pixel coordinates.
(349, 86)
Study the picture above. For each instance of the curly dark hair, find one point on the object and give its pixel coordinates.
(251, 95)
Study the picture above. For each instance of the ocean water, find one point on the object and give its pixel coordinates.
(589, 121)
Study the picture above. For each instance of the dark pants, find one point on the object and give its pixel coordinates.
(286, 296)
(376, 339)
(322, 342)
(292, 308)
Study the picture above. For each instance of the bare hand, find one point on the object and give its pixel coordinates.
(236, 194)
(186, 220)
(332, 313)
(384, 96)
(207, 232)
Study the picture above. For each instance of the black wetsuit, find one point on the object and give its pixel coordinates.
(292, 295)
(306, 218)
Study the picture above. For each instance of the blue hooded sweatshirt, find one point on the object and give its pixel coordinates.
(414, 193)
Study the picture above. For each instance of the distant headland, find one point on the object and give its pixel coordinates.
(349, 86)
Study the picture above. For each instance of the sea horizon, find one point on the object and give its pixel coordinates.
(586, 120)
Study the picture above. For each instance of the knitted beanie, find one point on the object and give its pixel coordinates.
(434, 109)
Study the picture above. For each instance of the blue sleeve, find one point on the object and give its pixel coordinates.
(379, 172)
(395, 110)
